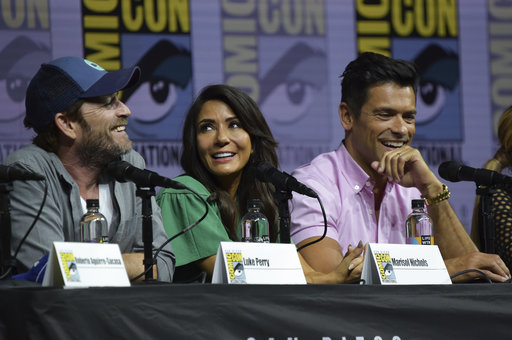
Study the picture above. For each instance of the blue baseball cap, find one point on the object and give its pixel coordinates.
(62, 82)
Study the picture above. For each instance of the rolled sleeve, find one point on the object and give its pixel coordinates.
(306, 215)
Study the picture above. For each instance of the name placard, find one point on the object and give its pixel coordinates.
(404, 264)
(257, 263)
(75, 264)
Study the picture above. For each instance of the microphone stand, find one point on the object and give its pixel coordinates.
(485, 218)
(282, 197)
(145, 193)
(6, 260)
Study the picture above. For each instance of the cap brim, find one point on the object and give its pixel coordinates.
(113, 81)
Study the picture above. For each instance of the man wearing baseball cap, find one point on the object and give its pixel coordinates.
(73, 106)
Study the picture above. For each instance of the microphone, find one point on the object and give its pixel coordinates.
(454, 172)
(123, 171)
(10, 173)
(266, 172)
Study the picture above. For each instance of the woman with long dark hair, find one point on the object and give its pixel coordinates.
(225, 131)
(500, 197)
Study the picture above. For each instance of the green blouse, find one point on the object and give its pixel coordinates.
(181, 208)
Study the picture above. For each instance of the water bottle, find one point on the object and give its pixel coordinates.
(418, 226)
(93, 225)
(254, 223)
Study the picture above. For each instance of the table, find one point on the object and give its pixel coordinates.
(257, 312)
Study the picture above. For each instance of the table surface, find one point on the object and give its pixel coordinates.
(207, 311)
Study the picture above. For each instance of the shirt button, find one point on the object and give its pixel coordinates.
(370, 211)
(356, 187)
(368, 183)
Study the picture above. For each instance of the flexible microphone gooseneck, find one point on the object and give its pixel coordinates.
(9, 173)
(123, 171)
(486, 181)
(266, 172)
(159, 249)
(455, 172)
(9, 270)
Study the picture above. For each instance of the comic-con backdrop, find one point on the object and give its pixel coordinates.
(287, 54)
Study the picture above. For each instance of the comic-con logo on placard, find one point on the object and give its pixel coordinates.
(276, 53)
(156, 37)
(235, 268)
(385, 267)
(25, 45)
(70, 267)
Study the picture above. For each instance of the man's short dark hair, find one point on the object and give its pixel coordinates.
(48, 138)
(370, 69)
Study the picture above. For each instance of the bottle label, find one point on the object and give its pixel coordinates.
(254, 230)
(423, 240)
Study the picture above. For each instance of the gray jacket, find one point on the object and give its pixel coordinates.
(62, 211)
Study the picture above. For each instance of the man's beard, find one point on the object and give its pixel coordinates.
(99, 148)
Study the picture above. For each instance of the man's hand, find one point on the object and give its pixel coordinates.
(348, 268)
(356, 261)
(407, 167)
(490, 264)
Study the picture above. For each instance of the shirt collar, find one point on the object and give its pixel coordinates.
(355, 176)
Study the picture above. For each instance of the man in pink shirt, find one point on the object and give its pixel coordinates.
(367, 184)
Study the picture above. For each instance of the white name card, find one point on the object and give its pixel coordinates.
(257, 263)
(74, 264)
(404, 264)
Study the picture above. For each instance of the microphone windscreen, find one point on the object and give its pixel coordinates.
(261, 170)
(9, 173)
(450, 171)
(118, 170)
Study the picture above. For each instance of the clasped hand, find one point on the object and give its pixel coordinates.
(351, 265)
(407, 167)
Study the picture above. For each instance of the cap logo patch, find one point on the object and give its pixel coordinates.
(94, 65)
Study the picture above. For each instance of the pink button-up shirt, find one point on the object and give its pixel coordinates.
(346, 194)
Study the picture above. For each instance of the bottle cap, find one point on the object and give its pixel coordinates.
(92, 203)
(254, 203)
(418, 204)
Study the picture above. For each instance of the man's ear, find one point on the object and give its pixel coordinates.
(346, 116)
(65, 125)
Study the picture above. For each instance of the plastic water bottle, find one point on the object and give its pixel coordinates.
(254, 223)
(93, 225)
(418, 226)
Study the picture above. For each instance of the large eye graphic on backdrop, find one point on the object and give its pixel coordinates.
(430, 100)
(16, 86)
(164, 95)
(290, 86)
(439, 72)
(165, 68)
(21, 59)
